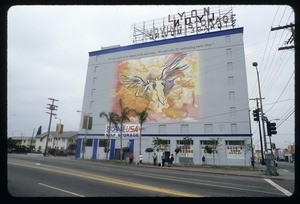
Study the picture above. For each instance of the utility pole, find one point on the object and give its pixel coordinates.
(261, 107)
(292, 37)
(31, 139)
(260, 136)
(52, 108)
(252, 153)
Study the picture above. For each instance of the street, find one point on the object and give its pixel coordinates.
(32, 176)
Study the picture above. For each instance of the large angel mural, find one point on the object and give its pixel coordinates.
(167, 85)
(161, 86)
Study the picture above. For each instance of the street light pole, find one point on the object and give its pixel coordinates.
(261, 107)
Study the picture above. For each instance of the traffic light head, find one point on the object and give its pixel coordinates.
(255, 115)
(271, 128)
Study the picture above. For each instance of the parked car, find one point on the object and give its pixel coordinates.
(56, 152)
(61, 153)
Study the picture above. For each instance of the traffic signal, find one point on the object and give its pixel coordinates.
(255, 115)
(271, 128)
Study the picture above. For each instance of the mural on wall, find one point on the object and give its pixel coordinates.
(167, 85)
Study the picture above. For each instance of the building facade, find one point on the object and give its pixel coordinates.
(194, 88)
(56, 140)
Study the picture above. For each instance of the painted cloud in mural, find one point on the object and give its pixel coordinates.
(167, 85)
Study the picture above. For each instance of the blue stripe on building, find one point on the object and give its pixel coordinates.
(169, 41)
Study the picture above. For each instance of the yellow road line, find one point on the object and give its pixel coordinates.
(105, 179)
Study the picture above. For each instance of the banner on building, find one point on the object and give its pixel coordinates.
(87, 122)
(59, 128)
(234, 152)
(128, 130)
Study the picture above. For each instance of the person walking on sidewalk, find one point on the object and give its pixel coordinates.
(131, 157)
(141, 160)
(154, 159)
(171, 160)
(163, 159)
(203, 159)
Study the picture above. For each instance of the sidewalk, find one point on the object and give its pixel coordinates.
(258, 171)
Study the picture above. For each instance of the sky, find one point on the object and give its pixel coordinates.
(47, 57)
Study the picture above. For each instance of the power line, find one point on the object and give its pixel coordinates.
(282, 91)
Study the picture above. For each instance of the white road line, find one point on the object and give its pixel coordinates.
(61, 190)
(286, 192)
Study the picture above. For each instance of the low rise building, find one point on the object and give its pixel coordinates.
(55, 140)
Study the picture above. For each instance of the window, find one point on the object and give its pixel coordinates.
(93, 92)
(208, 128)
(233, 128)
(232, 111)
(209, 142)
(228, 52)
(230, 81)
(91, 103)
(89, 142)
(229, 66)
(63, 140)
(95, 69)
(102, 142)
(227, 38)
(94, 80)
(181, 142)
(234, 142)
(184, 129)
(231, 96)
(162, 129)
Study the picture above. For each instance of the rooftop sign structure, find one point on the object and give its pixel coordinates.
(184, 24)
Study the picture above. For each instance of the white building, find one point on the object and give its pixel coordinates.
(55, 141)
(202, 95)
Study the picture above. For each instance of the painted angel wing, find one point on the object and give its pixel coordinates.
(172, 72)
(135, 82)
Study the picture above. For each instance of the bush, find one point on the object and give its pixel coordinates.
(149, 149)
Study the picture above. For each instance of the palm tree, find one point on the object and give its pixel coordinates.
(187, 142)
(122, 119)
(142, 116)
(111, 118)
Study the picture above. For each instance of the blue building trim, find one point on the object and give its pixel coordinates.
(131, 145)
(112, 149)
(180, 135)
(78, 148)
(168, 41)
(95, 145)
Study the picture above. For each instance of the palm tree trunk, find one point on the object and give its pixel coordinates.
(107, 143)
(121, 152)
(140, 142)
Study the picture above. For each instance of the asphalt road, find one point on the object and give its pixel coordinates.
(30, 176)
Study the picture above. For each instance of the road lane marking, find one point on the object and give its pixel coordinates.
(106, 179)
(59, 189)
(286, 192)
(210, 183)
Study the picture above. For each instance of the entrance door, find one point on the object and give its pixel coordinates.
(117, 154)
(167, 154)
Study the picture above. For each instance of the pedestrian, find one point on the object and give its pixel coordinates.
(203, 159)
(141, 160)
(131, 157)
(163, 159)
(171, 160)
(154, 159)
